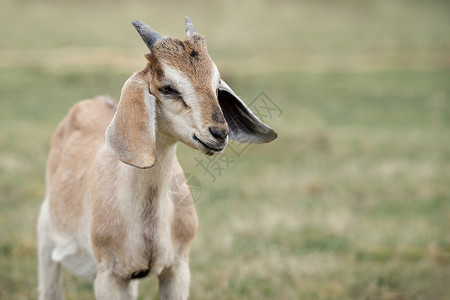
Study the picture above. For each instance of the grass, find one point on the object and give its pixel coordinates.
(350, 202)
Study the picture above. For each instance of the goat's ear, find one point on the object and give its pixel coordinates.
(244, 126)
(131, 134)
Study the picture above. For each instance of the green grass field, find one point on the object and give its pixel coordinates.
(352, 201)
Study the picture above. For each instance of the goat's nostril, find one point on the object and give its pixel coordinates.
(218, 133)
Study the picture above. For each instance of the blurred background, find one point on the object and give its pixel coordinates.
(352, 201)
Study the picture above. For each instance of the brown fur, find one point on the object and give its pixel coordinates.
(78, 145)
(73, 148)
(135, 145)
(176, 53)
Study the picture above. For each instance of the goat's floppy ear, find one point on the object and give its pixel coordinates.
(131, 134)
(244, 126)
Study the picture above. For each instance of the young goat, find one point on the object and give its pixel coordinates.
(110, 210)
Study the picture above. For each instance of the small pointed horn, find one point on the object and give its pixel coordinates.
(190, 29)
(148, 35)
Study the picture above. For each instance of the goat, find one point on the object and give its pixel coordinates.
(110, 212)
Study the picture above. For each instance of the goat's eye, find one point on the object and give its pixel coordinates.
(168, 90)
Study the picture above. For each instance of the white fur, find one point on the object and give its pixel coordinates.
(178, 79)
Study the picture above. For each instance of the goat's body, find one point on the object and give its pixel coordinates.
(107, 220)
(117, 205)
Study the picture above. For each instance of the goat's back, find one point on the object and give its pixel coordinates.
(73, 148)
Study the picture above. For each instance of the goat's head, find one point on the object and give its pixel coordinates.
(180, 95)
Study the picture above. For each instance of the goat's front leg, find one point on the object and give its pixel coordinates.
(108, 286)
(174, 282)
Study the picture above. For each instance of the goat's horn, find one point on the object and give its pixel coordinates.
(148, 35)
(190, 29)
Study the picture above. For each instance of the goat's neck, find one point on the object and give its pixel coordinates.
(152, 184)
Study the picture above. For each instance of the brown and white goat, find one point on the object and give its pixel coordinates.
(110, 210)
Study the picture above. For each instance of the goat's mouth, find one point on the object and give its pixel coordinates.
(206, 148)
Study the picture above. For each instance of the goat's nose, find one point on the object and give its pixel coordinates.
(219, 133)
